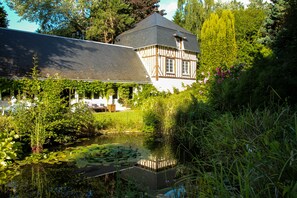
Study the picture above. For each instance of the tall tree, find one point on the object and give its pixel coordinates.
(191, 14)
(73, 18)
(3, 17)
(142, 8)
(248, 23)
(218, 43)
(275, 21)
(67, 17)
(108, 18)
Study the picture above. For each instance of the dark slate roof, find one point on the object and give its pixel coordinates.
(71, 58)
(157, 30)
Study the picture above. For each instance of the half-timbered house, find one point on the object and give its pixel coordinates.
(168, 52)
(155, 51)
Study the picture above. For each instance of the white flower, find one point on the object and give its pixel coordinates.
(3, 163)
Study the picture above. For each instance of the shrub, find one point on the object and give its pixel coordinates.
(48, 119)
(250, 155)
(9, 147)
(73, 124)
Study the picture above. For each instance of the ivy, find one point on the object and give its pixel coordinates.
(98, 87)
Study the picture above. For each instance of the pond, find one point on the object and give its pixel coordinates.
(152, 172)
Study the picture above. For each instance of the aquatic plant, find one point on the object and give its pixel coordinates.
(83, 156)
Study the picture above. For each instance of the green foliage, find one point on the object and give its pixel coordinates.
(151, 122)
(47, 107)
(272, 76)
(48, 119)
(191, 14)
(144, 92)
(222, 92)
(9, 147)
(247, 25)
(179, 115)
(275, 21)
(251, 155)
(141, 9)
(73, 124)
(108, 18)
(83, 156)
(119, 121)
(218, 44)
(153, 112)
(83, 19)
(124, 94)
(3, 17)
(187, 123)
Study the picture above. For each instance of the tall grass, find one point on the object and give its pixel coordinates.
(125, 121)
(249, 155)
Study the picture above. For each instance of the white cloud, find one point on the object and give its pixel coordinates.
(169, 8)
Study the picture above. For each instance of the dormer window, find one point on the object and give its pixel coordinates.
(179, 43)
(179, 38)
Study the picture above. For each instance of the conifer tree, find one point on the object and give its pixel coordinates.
(108, 18)
(218, 43)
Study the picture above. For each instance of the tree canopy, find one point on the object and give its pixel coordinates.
(248, 23)
(191, 14)
(3, 17)
(81, 18)
(108, 18)
(218, 44)
(270, 78)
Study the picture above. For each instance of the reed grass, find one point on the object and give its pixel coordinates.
(252, 154)
(125, 121)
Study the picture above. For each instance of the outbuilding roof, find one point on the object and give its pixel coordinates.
(71, 58)
(157, 30)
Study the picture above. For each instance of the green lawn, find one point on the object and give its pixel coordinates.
(120, 121)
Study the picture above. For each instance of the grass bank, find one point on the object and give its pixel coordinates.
(249, 153)
(125, 121)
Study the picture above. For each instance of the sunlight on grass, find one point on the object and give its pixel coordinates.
(125, 121)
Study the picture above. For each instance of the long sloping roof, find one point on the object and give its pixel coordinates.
(71, 58)
(157, 30)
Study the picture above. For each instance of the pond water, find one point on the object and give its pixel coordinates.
(152, 173)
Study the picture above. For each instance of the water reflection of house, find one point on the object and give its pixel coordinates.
(155, 51)
(152, 174)
(156, 163)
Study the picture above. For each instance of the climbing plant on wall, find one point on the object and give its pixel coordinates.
(101, 88)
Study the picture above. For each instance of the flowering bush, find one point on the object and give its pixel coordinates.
(231, 73)
(222, 91)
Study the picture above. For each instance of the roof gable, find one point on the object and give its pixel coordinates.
(157, 30)
(156, 20)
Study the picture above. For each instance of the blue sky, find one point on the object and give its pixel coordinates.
(169, 6)
(15, 22)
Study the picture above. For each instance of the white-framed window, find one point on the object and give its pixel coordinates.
(186, 68)
(169, 65)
